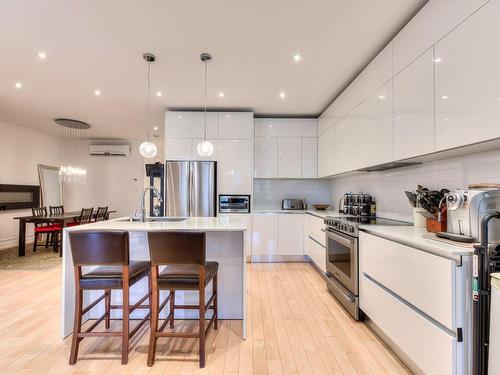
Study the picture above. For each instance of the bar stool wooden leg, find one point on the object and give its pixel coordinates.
(214, 291)
(75, 341)
(125, 318)
(35, 242)
(202, 318)
(172, 308)
(107, 305)
(154, 318)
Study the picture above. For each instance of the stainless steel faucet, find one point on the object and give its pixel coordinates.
(143, 198)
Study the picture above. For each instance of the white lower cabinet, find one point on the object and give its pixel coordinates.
(418, 300)
(265, 234)
(248, 233)
(291, 234)
(277, 234)
(314, 241)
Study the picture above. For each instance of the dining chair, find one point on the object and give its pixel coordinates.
(56, 210)
(184, 257)
(101, 213)
(51, 231)
(108, 253)
(84, 218)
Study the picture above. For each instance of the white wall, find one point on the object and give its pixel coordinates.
(20, 152)
(112, 181)
(388, 187)
(268, 193)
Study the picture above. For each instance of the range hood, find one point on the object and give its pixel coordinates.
(387, 166)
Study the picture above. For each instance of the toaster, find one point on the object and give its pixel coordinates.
(466, 209)
(293, 204)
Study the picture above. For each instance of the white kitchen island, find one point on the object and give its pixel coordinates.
(225, 243)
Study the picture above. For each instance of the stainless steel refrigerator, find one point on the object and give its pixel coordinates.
(190, 188)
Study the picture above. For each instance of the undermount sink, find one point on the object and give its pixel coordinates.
(155, 219)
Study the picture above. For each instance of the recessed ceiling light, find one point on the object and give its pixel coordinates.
(159, 93)
(382, 97)
(297, 57)
(42, 55)
(221, 94)
(282, 95)
(18, 85)
(155, 128)
(97, 92)
(444, 97)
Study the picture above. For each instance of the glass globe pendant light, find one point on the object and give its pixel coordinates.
(205, 148)
(148, 148)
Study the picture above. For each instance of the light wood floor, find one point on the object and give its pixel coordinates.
(294, 327)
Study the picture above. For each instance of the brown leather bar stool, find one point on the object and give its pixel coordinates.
(109, 251)
(183, 254)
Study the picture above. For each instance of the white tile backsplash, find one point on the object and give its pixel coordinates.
(388, 187)
(268, 193)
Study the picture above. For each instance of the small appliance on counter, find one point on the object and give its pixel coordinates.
(293, 204)
(234, 204)
(465, 211)
(357, 204)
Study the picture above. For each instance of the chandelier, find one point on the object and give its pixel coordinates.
(72, 135)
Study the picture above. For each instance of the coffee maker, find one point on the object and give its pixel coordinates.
(466, 209)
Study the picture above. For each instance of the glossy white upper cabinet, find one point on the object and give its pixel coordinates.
(178, 148)
(377, 73)
(414, 108)
(265, 229)
(434, 21)
(190, 124)
(286, 127)
(468, 81)
(291, 234)
(266, 157)
(309, 158)
(332, 150)
(369, 131)
(236, 125)
(234, 167)
(289, 157)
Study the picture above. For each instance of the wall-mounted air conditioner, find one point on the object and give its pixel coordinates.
(109, 150)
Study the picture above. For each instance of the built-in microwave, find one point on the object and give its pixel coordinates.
(231, 204)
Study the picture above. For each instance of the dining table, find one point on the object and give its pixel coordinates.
(62, 219)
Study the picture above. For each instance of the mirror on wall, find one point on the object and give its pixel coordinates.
(50, 186)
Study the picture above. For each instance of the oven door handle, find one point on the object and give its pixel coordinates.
(341, 239)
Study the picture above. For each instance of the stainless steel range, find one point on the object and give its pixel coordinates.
(342, 252)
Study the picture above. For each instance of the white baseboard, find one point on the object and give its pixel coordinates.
(10, 242)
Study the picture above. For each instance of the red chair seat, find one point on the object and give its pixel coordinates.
(48, 229)
(73, 224)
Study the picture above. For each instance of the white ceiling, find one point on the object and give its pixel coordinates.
(95, 44)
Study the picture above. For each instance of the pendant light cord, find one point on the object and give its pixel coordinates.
(205, 119)
(149, 96)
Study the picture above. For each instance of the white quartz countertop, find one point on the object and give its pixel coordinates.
(413, 237)
(191, 224)
(320, 213)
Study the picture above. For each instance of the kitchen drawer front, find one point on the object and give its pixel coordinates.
(425, 280)
(317, 253)
(314, 228)
(428, 346)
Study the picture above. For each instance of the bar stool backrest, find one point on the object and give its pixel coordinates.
(103, 248)
(168, 248)
(56, 210)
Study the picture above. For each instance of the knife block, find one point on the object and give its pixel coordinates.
(436, 226)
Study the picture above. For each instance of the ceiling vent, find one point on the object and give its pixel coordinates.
(109, 150)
